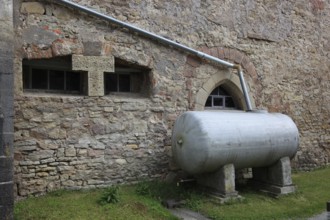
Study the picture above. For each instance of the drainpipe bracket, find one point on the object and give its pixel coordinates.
(237, 67)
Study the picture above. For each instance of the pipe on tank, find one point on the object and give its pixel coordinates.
(166, 42)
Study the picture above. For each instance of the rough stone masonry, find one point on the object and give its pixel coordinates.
(97, 139)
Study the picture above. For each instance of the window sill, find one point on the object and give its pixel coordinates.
(50, 94)
(126, 95)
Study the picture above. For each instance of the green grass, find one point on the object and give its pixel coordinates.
(85, 205)
(143, 201)
(313, 191)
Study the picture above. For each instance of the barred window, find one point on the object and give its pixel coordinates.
(53, 76)
(127, 78)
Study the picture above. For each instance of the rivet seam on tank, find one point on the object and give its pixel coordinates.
(179, 142)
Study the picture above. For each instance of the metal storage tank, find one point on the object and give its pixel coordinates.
(205, 141)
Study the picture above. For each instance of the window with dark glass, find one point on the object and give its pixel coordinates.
(52, 75)
(220, 99)
(116, 82)
(127, 79)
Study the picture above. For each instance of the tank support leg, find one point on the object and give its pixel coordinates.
(221, 182)
(275, 179)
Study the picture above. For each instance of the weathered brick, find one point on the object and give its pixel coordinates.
(214, 52)
(221, 52)
(226, 53)
(193, 61)
(245, 62)
(251, 71)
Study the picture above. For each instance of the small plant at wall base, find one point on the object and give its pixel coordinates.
(160, 190)
(143, 188)
(110, 195)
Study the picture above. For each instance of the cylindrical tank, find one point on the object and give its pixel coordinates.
(205, 141)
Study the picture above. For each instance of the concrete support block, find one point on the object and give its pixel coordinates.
(95, 66)
(221, 182)
(275, 179)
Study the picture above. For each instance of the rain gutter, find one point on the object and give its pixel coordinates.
(166, 42)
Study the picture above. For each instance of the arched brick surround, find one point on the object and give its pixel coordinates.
(226, 77)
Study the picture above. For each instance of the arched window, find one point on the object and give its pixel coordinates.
(220, 99)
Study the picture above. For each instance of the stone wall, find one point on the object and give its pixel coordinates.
(88, 142)
(96, 140)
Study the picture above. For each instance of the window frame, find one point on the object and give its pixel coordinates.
(225, 99)
(118, 87)
(49, 65)
(128, 71)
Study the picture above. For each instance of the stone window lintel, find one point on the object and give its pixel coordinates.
(95, 66)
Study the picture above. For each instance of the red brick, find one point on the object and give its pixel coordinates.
(221, 53)
(317, 5)
(231, 54)
(245, 62)
(214, 52)
(63, 47)
(238, 56)
(193, 61)
(205, 49)
(251, 71)
(34, 52)
(226, 53)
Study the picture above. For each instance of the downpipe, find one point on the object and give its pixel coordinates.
(165, 41)
(244, 88)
